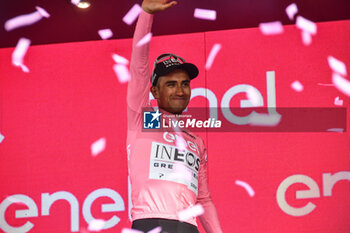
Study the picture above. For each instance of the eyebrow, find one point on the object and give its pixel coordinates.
(173, 81)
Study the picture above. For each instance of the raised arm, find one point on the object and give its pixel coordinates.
(138, 87)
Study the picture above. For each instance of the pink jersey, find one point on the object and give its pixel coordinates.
(164, 179)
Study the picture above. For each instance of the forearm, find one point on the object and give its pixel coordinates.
(209, 219)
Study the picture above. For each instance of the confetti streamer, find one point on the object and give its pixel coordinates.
(181, 172)
(253, 96)
(155, 230)
(122, 73)
(180, 143)
(26, 20)
(306, 25)
(341, 84)
(2, 137)
(96, 225)
(338, 101)
(297, 86)
(306, 38)
(271, 28)
(246, 186)
(105, 33)
(261, 119)
(191, 212)
(98, 146)
(338, 130)
(213, 52)
(146, 39)
(119, 59)
(128, 230)
(204, 14)
(19, 53)
(337, 65)
(291, 10)
(132, 14)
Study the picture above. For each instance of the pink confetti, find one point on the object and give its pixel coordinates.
(122, 73)
(119, 59)
(306, 25)
(213, 52)
(204, 14)
(25, 20)
(341, 84)
(291, 10)
(326, 84)
(75, 2)
(271, 28)
(42, 12)
(191, 212)
(306, 38)
(98, 146)
(262, 119)
(246, 186)
(128, 230)
(338, 101)
(132, 14)
(1, 137)
(146, 39)
(105, 33)
(155, 230)
(96, 225)
(337, 65)
(338, 130)
(253, 96)
(19, 53)
(297, 86)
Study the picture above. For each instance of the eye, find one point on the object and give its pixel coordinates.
(186, 84)
(171, 84)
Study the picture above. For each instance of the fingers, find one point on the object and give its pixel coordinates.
(170, 4)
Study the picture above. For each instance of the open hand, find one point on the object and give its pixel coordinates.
(153, 6)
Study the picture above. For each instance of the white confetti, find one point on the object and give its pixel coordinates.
(181, 172)
(146, 39)
(128, 230)
(122, 73)
(297, 86)
(213, 52)
(306, 25)
(191, 212)
(271, 28)
(341, 84)
(246, 186)
(96, 225)
(338, 130)
(253, 96)
(262, 119)
(291, 10)
(306, 38)
(75, 2)
(105, 33)
(25, 20)
(338, 101)
(155, 230)
(337, 65)
(204, 14)
(19, 53)
(119, 59)
(2, 137)
(132, 14)
(98, 146)
(181, 143)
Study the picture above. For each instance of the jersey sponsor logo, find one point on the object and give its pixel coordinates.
(151, 119)
(171, 137)
(167, 162)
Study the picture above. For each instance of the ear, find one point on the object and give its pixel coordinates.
(155, 92)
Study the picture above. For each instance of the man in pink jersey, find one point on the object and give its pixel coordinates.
(167, 169)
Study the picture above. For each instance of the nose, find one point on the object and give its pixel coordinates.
(179, 90)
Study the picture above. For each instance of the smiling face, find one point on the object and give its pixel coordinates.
(173, 91)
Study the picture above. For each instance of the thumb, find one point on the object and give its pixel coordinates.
(170, 4)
